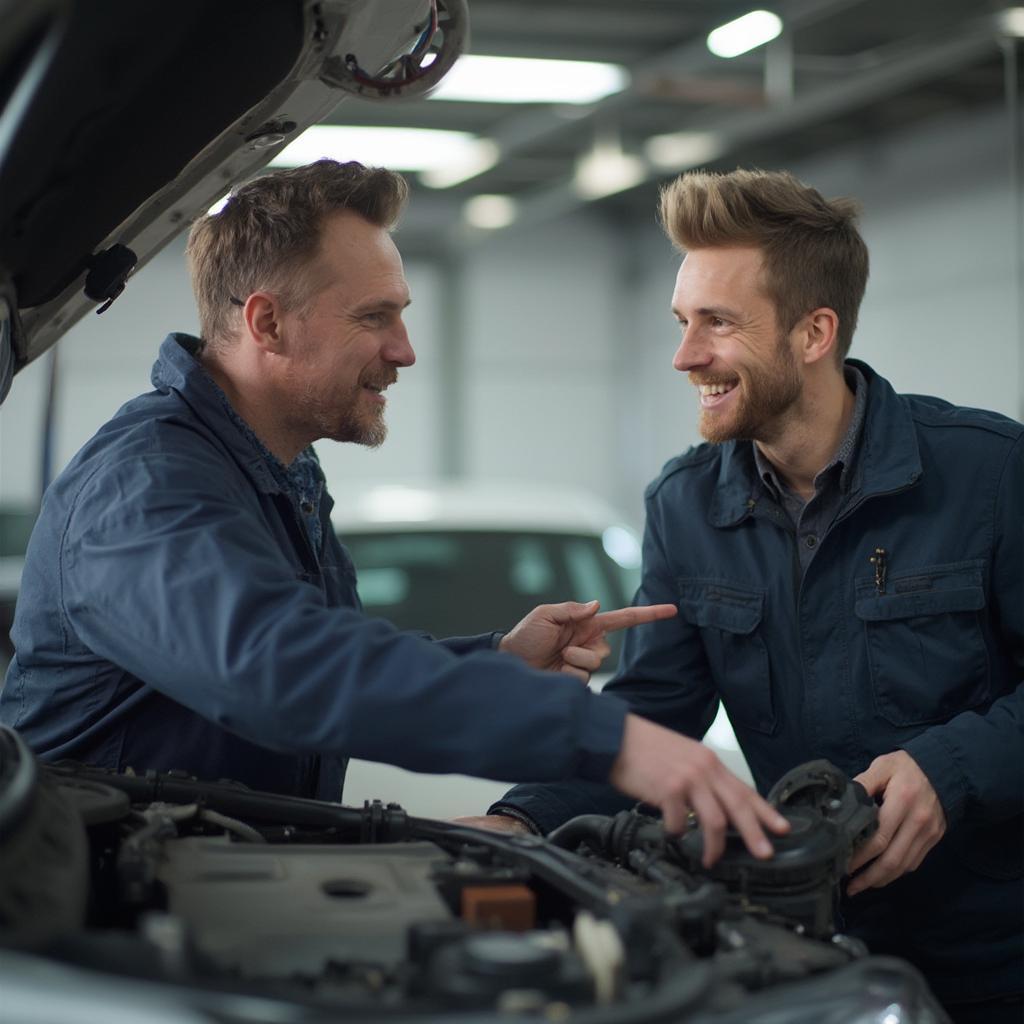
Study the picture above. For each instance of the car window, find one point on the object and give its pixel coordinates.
(15, 526)
(456, 583)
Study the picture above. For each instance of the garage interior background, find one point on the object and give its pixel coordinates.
(544, 347)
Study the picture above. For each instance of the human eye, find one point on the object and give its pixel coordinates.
(375, 318)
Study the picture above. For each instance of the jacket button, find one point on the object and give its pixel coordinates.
(810, 540)
(307, 507)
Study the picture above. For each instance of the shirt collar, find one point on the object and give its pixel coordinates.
(300, 478)
(887, 456)
(178, 368)
(845, 454)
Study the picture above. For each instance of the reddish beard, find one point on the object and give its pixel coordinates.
(764, 398)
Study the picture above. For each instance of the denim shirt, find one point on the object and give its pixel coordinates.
(303, 480)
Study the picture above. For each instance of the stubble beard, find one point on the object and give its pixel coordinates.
(369, 432)
(355, 425)
(763, 403)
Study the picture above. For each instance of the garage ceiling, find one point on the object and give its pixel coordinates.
(841, 71)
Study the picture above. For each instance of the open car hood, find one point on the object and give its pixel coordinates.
(122, 120)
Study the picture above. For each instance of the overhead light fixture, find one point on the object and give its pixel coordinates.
(399, 149)
(484, 79)
(481, 156)
(743, 34)
(1011, 22)
(678, 151)
(606, 170)
(489, 212)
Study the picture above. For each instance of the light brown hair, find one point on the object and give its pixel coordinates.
(814, 255)
(268, 235)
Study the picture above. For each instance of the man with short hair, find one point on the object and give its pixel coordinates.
(185, 603)
(848, 564)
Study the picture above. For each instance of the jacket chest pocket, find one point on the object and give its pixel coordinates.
(925, 645)
(729, 619)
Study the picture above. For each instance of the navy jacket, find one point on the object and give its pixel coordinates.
(830, 664)
(174, 615)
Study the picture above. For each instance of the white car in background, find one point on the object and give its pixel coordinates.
(459, 558)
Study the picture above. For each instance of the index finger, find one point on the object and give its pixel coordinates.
(623, 618)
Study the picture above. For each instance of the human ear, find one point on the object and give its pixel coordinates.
(262, 316)
(819, 333)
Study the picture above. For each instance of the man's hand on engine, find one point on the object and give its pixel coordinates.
(679, 775)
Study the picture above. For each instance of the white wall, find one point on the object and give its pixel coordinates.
(102, 362)
(939, 315)
(540, 355)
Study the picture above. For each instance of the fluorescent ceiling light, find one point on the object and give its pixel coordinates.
(489, 212)
(525, 80)
(481, 156)
(743, 34)
(399, 149)
(1011, 21)
(679, 150)
(605, 170)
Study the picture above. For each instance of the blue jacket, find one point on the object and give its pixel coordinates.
(174, 615)
(829, 664)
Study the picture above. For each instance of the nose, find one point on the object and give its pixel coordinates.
(398, 348)
(692, 352)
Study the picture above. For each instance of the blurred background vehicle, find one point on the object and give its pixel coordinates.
(15, 527)
(464, 557)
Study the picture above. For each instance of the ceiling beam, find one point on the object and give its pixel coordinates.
(743, 129)
(521, 131)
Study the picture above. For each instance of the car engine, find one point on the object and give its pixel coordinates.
(187, 900)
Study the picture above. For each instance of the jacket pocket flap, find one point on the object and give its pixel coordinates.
(720, 605)
(884, 607)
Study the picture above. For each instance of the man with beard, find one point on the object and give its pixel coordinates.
(185, 603)
(848, 564)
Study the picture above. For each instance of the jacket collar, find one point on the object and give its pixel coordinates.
(887, 458)
(177, 369)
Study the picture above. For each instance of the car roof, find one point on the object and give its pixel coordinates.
(492, 505)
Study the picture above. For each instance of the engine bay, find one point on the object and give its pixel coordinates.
(235, 904)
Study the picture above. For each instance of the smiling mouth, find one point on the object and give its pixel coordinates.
(716, 389)
(712, 395)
